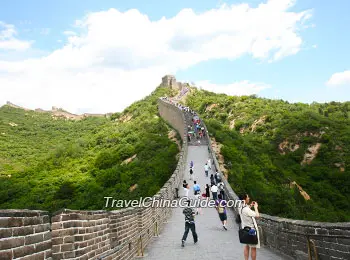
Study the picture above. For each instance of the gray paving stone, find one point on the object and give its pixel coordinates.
(214, 242)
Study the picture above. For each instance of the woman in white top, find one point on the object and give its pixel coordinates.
(209, 163)
(248, 220)
(186, 190)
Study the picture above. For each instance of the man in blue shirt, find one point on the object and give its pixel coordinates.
(196, 188)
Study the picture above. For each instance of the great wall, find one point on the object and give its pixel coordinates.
(124, 234)
(59, 112)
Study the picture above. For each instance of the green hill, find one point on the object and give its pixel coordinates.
(51, 163)
(269, 144)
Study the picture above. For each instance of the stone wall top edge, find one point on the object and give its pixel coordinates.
(22, 213)
(306, 222)
(86, 212)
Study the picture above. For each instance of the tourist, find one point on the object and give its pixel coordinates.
(209, 163)
(207, 191)
(221, 189)
(221, 208)
(214, 191)
(198, 204)
(206, 170)
(189, 224)
(186, 190)
(217, 177)
(191, 173)
(196, 188)
(248, 220)
(212, 180)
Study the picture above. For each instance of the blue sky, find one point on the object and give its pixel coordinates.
(322, 55)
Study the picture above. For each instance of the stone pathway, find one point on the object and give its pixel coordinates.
(213, 241)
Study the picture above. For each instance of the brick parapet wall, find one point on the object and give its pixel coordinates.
(25, 233)
(74, 234)
(290, 237)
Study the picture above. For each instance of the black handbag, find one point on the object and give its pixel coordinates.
(246, 238)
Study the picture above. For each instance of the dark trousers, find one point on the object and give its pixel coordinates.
(215, 195)
(222, 194)
(189, 226)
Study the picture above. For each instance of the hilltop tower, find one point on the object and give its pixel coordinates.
(169, 81)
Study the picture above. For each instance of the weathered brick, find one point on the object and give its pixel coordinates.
(72, 224)
(57, 256)
(84, 257)
(6, 255)
(56, 248)
(56, 225)
(23, 251)
(34, 239)
(81, 245)
(43, 246)
(91, 254)
(39, 256)
(67, 240)
(67, 247)
(57, 240)
(41, 228)
(11, 243)
(64, 232)
(23, 231)
(80, 252)
(33, 221)
(48, 254)
(72, 216)
(69, 255)
(15, 222)
(5, 232)
(48, 235)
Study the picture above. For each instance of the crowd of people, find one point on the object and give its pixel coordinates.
(216, 191)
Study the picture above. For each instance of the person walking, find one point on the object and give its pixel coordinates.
(221, 189)
(207, 191)
(191, 164)
(221, 208)
(198, 204)
(217, 177)
(248, 220)
(212, 179)
(209, 163)
(196, 188)
(214, 191)
(191, 173)
(206, 170)
(186, 189)
(184, 184)
(189, 224)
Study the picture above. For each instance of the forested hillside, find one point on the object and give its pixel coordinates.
(292, 158)
(51, 163)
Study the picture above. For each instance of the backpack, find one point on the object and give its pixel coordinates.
(191, 171)
(221, 209)
(197, 188)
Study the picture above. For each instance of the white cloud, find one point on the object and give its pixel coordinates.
(115, 58)
(8, 40)
(45, 31)
(240, 88)
(339, 78)
(69, 33)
